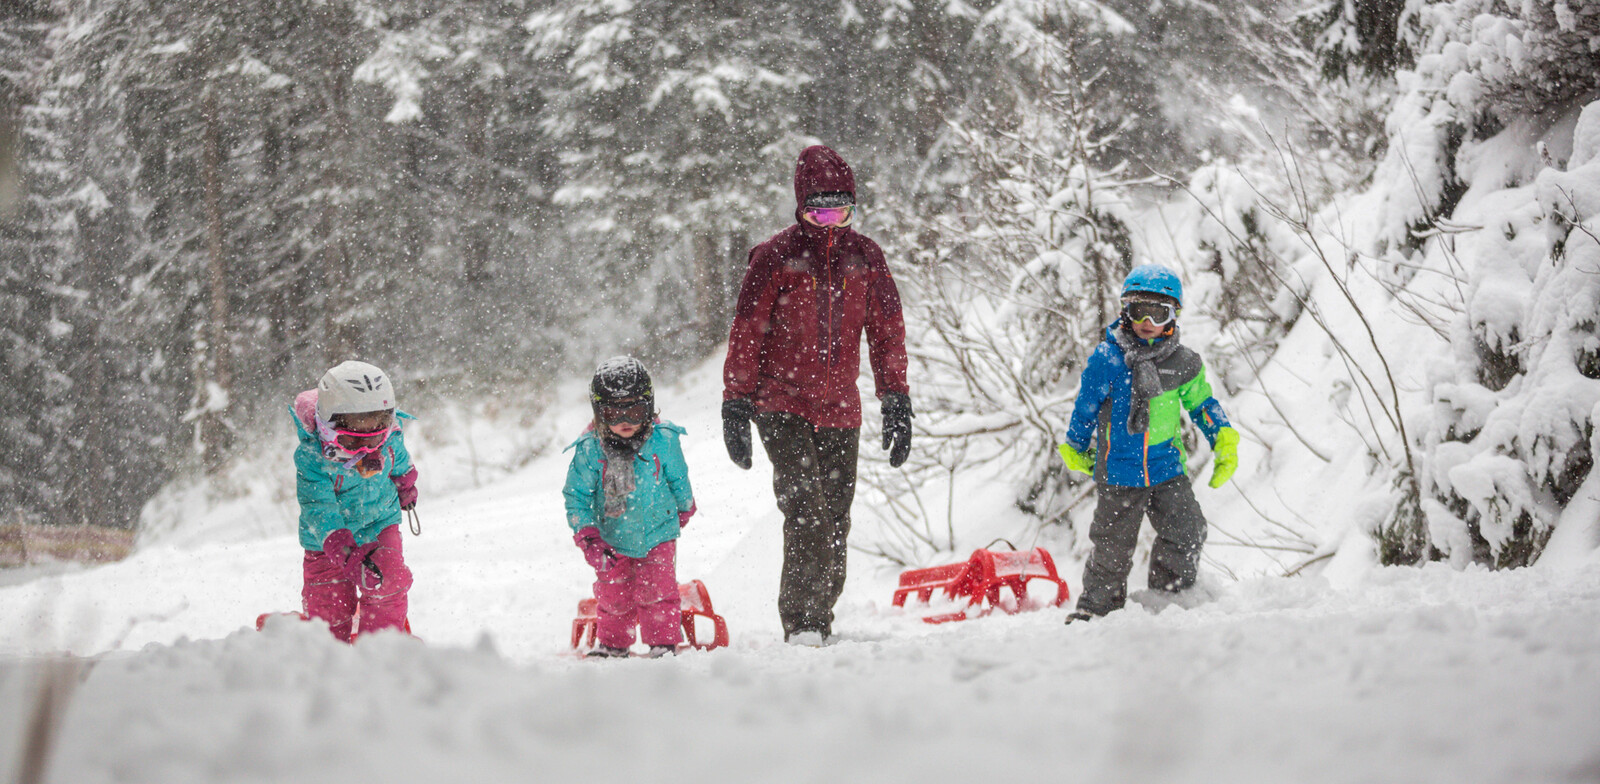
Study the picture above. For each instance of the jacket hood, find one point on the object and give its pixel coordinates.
(820, 170)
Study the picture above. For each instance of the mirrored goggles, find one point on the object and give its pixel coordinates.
(359, 443)
(633, 414)
(1157, 313)
(829, 217)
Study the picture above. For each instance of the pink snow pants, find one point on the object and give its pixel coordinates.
(640, 592)
(378, 571)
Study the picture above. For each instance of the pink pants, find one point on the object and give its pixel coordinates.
(378, 571)
(640, 592)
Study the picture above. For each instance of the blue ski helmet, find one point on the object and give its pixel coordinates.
(1153, 279)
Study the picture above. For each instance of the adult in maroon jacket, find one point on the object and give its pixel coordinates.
(793, 356)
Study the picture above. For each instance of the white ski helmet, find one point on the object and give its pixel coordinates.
(353, 387)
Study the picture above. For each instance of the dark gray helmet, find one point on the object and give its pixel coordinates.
(621, 391)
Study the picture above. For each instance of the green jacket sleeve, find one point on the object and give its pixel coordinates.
(1204, 410)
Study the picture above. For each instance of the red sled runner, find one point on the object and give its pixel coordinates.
(981, 580)
(694, 600)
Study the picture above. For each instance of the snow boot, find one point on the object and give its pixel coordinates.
(1079, 615)
(607, 652)
(811, 638)
(658, 651)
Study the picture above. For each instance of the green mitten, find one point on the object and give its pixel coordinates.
(1082, 462)
(1225, 456)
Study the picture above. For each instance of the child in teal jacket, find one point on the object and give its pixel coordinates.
(1125, 431)
(353, 478)
(627, 498)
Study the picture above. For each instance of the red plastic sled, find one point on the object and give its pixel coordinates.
(981, 579)
(261, 621)
(693, 599)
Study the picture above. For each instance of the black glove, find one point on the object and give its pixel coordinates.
(897, 427)
(736, 416)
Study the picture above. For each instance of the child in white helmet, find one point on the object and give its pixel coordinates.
(353, 479)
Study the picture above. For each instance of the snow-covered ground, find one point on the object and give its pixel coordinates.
(1354, 674)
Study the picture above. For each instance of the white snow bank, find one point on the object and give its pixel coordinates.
(1422, 675)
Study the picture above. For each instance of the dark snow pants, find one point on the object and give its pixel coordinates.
(814, 478)
(1180, 529)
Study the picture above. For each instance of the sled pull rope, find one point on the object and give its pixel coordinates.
(415, 521)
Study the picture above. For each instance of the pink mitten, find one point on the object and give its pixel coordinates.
(595, 550)
(406, 485)
(341, 547)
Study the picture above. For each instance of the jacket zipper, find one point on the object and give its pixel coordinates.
(827, 263)
(1147, 457)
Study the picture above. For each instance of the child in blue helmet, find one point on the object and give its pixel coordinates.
(1125, 432)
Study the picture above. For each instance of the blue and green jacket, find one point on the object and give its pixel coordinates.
(333, 496)
(1101, 414)
(661, 490)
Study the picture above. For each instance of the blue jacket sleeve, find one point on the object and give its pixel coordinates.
(677, 474)
(583, 481)
(319, 506)
(1094, 386)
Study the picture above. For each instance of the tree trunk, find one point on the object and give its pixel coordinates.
(478, 270)
(215, 435)
(734, 263)
(339, 336)
(707, 291)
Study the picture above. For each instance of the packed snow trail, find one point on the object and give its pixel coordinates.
(1379, 675)
(1424, 675)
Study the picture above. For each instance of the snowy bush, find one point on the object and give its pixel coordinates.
(1479, 136)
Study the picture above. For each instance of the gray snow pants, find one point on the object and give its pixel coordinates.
(1180, 531)
(814, 477)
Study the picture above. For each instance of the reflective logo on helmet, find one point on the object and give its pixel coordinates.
(366, 383)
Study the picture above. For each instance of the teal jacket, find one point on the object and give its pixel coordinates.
(1100, 417)
(661, 491)
(333, 497)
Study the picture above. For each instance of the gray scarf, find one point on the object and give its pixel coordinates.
(616, 479)
(1141, 358)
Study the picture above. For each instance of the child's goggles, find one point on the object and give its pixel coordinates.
(1158, 313)
(633, 414)
(829, 217)
(358, 443)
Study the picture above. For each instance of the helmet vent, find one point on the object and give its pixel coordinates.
(366, 383)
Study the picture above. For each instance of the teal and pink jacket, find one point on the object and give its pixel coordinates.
(660, 494)
(334, 496)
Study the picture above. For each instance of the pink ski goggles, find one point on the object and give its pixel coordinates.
(358, 443)
(829, 217)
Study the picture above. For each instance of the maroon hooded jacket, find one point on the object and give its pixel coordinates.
(807, 296)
